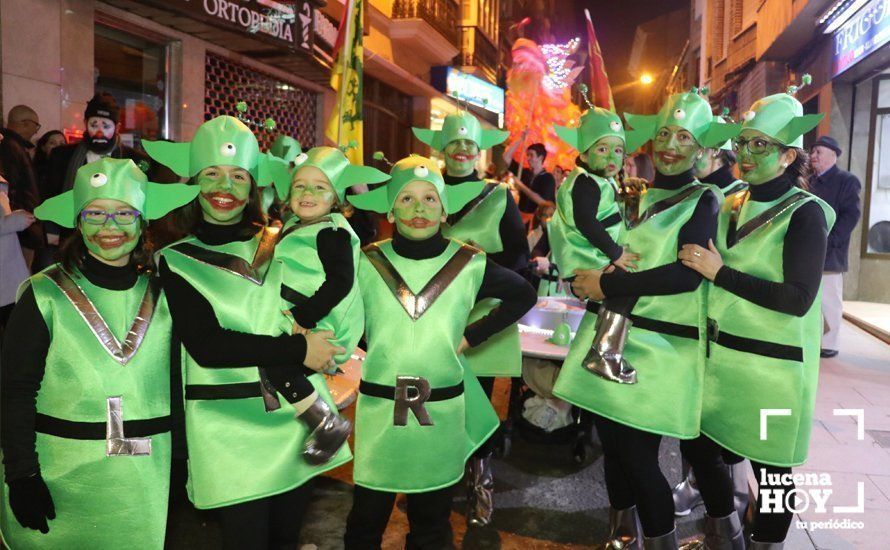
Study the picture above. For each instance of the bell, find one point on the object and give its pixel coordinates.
(562, 335)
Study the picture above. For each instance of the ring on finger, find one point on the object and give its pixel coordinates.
(697, 254)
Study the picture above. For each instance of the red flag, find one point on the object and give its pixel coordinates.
(600, 91)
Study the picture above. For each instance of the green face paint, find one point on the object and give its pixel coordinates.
(112, 241)
(764, 164)
(460, 157)
(606, 157)
(224, 193)
(311, 194)
(418, 211)
(675, 150)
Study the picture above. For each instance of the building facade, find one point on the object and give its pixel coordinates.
(752, 48)
(172, 64)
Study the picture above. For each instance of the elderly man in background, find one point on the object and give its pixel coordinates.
(840, 189)
(17, 167)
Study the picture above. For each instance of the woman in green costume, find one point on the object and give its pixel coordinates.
(764, 322)
(248, 457)
(86, 378)
(421, 412)
(492, 223)
(716, 167)
(318, 252)
(664, 344)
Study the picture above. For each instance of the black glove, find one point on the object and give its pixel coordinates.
(31, 502)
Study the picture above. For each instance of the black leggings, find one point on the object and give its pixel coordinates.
(428, 519)
(487, 448)
(715, 485)
(633, 476)
(272, 522)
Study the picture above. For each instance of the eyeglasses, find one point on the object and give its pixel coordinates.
(755, 146)
(34, 122)
(101, 217)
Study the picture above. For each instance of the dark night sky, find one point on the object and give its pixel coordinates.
(615, 22)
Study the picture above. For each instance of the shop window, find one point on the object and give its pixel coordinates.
(134, 71)
(291, 107)
(877, 197)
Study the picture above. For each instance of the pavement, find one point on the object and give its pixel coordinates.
(544, 500)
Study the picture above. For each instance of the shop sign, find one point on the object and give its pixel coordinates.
(469, 88)
(287, 23)
(862, 34)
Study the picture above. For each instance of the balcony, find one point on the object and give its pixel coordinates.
(427, 28)
(478, 55)
(786, 26)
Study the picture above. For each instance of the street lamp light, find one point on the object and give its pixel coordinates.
(646, 79)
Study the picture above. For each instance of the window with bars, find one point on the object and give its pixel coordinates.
(292, 108)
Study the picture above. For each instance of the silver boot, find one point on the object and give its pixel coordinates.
(664, 542)
(480, 491)
(328, 432)
(724, 533)
(686, 494)
(740, 489)
(605, 358)
(625, 532)
(754, 545)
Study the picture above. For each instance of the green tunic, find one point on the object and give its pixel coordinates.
(769, 358)
(478, 224)
(570, 248)
(666, 343)
(416, 316)
(108, 491)
(302, 274)
(237, 450)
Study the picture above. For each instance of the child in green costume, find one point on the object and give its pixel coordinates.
(421, 412)
(764, 323)
(86, 380)
(492, 223)
(247, 456)
(586, 226)
(318, 251)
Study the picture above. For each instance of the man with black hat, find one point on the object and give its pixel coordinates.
(840, 189)
(101, 138)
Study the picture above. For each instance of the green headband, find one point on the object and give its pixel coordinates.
(780, 116)
(417, 168)
(116, 179)
(689, 111)
(285, 148)
(333, 164)
(461, 126)
(222, 141)
(597, 123)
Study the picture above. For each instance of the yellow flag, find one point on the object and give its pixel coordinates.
(345, 125)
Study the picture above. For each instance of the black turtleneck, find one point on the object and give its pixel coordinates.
(26, 343)
(585, 203)
(721, 177)
(196, 324)
(803, 254)
(514, 292)
(515, 254)
(674, 277)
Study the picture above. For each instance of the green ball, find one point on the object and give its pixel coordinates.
(241, 106)
(269, 124)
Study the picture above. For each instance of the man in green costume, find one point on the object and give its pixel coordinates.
(86, 374)
(421, 412)
(492, 223)
(764, 322)
(247, 455)
(632, 418)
